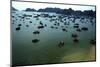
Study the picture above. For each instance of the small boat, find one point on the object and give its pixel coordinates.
(75, 40)
(35, 40)
(19, 25)
(36, 32)
(93, 42)
(74, 35)
(84, 28)
(18, 28)
(61, 44)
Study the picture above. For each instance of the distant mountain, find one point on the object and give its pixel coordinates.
(30, 9)
(14, 9)
(55, 10)
(69, 11)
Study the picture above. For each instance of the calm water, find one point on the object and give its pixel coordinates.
(24, 51)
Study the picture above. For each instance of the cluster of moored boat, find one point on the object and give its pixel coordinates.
(61, 22)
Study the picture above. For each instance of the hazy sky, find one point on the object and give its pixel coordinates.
(24, 5)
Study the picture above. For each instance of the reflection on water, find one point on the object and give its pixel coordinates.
(39, 38)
